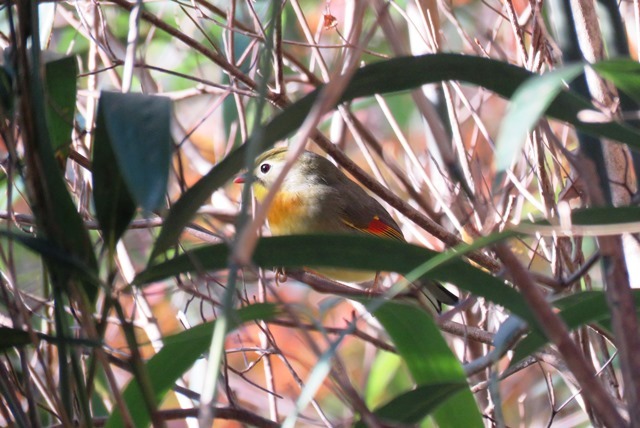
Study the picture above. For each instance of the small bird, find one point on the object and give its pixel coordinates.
(316, 197)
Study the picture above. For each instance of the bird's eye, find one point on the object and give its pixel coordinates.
(264, 168)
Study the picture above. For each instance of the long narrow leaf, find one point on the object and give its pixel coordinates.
(528, 104)
(408, 73)
(180, 352)
(345, 251)
(413, 406)
(430, 361)
(576, 310)
(138, 129)
(61, 101)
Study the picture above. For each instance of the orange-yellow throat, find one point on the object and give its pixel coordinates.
(289, 214)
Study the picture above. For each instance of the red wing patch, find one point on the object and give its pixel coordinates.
(379, 228)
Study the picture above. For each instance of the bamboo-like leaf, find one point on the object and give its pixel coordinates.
(413, 406)
(606, 215)
(138, 128)
(408, 73)
(56, 255)
(178, 354)
(528, 104)
(387, 377)
(623, 72)
(430, 362)
(11, 337)
(55, 212)
(576, 310)
(60, 81)
(345, 251)
(112, 200)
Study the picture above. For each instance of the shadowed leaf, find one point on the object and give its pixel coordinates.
(138, 129)
(178, 354)
(409, 73)
(430, 362)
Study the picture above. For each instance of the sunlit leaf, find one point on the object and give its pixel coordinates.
(623, 72)
(430, 361)
(528, 104)
(387, 378)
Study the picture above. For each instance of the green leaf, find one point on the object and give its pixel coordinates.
(139, 131)
(178, 354)
(345, 251)
(60, 87)
(576, 310)
(52, 253)
(459, 251)
(605, 215)
(114, 205)
(528, 104)
(430, 362)
(56, 213)
(387, 378)
(10, 337)
(408, 73)
(413, 406)
(192, 199)
(6, 93)
(623, 72)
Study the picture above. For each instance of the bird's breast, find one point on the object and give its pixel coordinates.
(288, 214)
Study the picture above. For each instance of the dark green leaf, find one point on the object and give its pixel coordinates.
(408, 73)
(430, 361)
(56, 213)
(576, 310)
(139, 130)
(413, 406)
(179, 352)
(61, 101)
(10, 337)
(365, 253)
(345, 251)
(56, 255)
(114, 205)
(6, 93)
(605, 215)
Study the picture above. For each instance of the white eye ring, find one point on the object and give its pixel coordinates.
(264, 168)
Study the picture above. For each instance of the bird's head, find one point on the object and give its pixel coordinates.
(269, 165)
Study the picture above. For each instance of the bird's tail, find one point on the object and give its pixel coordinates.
(435, 293)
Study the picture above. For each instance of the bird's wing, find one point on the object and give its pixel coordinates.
(362, 213)
(376, 227)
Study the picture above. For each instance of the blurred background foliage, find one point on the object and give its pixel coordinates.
(124, 122)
